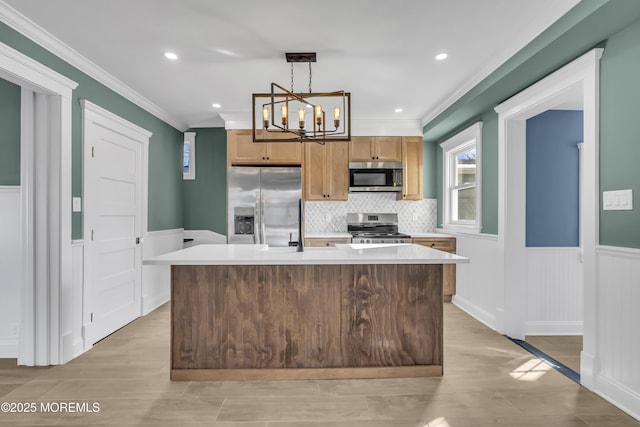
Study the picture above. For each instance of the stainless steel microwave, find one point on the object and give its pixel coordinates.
(375, 176)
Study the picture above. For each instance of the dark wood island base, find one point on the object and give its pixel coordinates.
(268, 322)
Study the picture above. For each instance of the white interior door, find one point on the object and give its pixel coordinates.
(113, 230)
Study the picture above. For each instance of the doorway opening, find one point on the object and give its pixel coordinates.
(575, 87)
(45, 214)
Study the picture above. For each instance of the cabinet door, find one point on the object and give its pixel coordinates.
(448, 270)
(360, 149)
(412, 168)
(284, 152)
(314, 172)
(337, 165)
(242, 150)
(387, 148)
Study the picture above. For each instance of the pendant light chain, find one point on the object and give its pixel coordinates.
(292, 78)
(310, 78)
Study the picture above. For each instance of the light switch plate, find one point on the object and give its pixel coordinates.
(77, 204)
(620, 200)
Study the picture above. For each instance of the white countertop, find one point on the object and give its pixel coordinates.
(406, 253)
(328, 235)
(345, 235)
(432, 235)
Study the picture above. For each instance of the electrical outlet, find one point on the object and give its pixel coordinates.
(327, 217)
(15, 329)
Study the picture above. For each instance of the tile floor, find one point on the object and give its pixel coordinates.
(488, 381)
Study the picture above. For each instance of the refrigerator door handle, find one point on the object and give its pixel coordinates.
(258, 223)
(263, 222)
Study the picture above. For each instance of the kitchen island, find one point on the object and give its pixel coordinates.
(249, 312)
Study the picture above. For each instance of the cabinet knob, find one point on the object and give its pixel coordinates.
(433, 244)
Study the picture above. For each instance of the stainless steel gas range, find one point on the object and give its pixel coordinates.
(375, 228)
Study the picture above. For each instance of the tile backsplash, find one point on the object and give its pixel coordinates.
(414, 216)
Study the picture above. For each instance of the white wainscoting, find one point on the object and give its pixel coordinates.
(10, 275)
(554, 291)
(156, 279)
(74, 336)
(204, 237)
(478, 283)
(618, 323)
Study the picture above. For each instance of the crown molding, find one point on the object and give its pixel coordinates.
(40, 36)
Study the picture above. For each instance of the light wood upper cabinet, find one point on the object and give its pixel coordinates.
(378, 148)
(411, 168)
(241, 150)
(326, 171)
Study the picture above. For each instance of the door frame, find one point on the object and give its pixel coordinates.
(105, 118)
(582, 75)
(45, 141)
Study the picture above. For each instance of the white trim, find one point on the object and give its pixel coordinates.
(478, 313)
(469, 136)
(617, 251)
(55, 92)
(582, 73)
(359, 127)
(619, 395)
(100, 117)
(190, 138)
(37, 34)
(126, 128)
(537, 327)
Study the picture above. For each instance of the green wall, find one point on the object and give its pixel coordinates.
(9, 133)
(489, 159)
(205, 198)
(613, 24)
(620, 134)
(165, 147)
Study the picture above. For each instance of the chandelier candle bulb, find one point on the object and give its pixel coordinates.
(276, 125)
(318, 114)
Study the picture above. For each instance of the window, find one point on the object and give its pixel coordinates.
(461, 180)
(189, 156)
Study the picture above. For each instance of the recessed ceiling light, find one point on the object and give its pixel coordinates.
(398, 110)
(441, 56)
(170, 55)
(216, 105)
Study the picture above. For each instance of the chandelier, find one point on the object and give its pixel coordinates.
(272, 112)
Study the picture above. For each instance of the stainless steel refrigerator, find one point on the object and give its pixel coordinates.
(263, 204)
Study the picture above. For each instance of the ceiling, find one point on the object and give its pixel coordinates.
(383, 52)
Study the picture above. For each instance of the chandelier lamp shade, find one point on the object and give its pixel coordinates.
(273, 112)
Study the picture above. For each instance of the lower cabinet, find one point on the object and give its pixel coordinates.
(446, 244)
(318, 242)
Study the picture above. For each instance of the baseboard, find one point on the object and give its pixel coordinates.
(553, 328)
(479, 314)
(9, 348)
(619, 395)
(587, 370)
(150, 304)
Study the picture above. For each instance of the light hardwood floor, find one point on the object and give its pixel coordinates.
(488, 381)
(565, 349)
